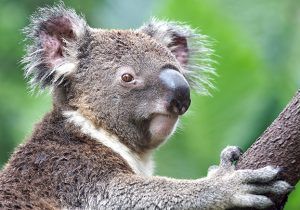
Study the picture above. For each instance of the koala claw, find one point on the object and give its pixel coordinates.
(281, 187)
(265, 174)
(250, 200)
(229, 155)
(278, 187)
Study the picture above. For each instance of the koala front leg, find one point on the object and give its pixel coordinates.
(223, 188)
(137, 192)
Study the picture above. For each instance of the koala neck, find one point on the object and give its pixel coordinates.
(140, 163)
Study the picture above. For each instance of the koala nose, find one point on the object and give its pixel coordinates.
(179, 91)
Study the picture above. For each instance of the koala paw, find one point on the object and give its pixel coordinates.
(246, 188)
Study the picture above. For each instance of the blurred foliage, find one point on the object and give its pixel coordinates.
(257, 49)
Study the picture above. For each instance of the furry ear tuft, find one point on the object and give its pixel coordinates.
(53, 34)
(191, 50)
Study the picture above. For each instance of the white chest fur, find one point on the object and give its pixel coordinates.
(140, 165)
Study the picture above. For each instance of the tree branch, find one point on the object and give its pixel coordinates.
(279, 146)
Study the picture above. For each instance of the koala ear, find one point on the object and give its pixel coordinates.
(191, 50)
(53, 34)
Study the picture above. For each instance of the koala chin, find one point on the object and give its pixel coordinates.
(162, 126)
(118, 95)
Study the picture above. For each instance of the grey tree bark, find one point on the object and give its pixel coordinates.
(279, 146)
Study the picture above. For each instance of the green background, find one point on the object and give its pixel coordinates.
(257, 54)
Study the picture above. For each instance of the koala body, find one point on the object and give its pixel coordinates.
(117, 95)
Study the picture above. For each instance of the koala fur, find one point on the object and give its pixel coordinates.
(117, 95)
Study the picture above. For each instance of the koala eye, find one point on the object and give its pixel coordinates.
(127, 77)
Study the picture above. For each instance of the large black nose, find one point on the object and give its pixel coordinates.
(178, 91)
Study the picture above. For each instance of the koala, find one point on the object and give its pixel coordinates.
(117, 96)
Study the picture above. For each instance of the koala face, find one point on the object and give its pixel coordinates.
(133, 83)
(130, 79)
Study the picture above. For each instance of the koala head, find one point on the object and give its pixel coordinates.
(133, 83)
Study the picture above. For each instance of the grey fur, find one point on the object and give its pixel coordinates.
(87, 162)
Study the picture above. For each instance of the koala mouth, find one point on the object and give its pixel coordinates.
(162, 126)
